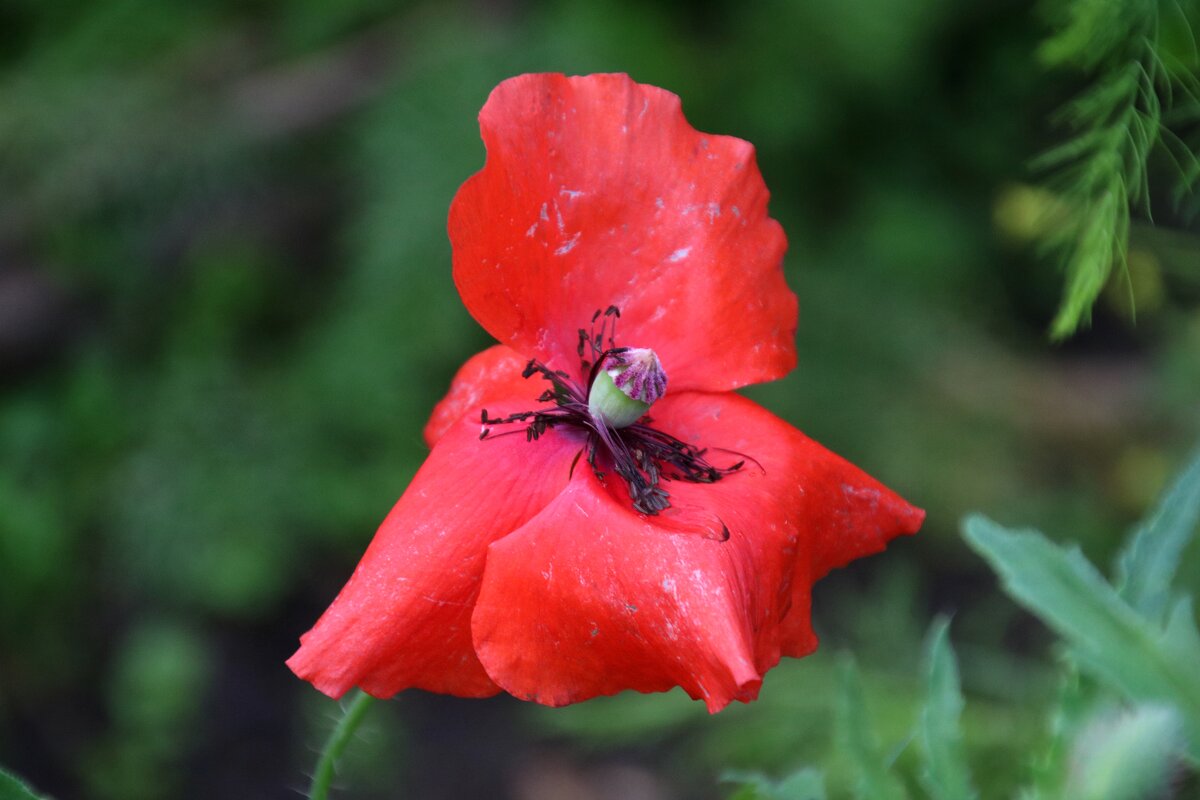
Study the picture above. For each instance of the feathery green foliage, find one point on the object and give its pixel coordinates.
(1136, 88)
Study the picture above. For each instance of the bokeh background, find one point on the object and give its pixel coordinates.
(226, 311)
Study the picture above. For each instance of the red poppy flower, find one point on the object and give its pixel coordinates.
(598, 549)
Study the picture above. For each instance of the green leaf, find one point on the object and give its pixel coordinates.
(1050, 759)
(1181, 640)
(11, 788)
(1146, 567)
(858, 739)
(1108, 638)
(1126, 754)
(946, 775)
(805, 784)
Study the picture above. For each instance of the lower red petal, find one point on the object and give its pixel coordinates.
(590, 598)
(403, 619)
(816, 509)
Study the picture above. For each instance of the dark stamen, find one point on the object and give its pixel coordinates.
(641, 455)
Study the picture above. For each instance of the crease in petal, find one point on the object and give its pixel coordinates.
(403, 619)
(597, 192)
(487, 375)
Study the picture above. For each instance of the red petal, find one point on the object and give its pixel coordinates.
(839, 512)
(403, 620)
(492, 374)
(597, 191)
(587, 599)
(590, 598)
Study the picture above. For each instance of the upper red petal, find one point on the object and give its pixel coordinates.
(598, 192)
(403, 619)
(490, 374)
(590, 598)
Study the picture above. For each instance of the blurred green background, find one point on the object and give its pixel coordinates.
(226, 311)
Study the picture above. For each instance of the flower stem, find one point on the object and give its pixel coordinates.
(341, 735)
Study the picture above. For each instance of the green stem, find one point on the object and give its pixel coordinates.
(336, 744)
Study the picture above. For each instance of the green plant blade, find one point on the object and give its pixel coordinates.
(1108, 638)
(805, 784)
(12, 788)
(1181, 641)
(858, 739)
(1126, 754)
(1147, 564)
(946, 775)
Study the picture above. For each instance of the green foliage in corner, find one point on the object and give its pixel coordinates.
(12, 788)
(1142, 87)
(1131, 716)
(1126, 722)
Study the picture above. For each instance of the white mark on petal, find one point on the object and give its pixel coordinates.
(437, 601)
(872, 496)
(679, 254)
(567, 246)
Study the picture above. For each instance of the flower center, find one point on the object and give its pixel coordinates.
(623, 383)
